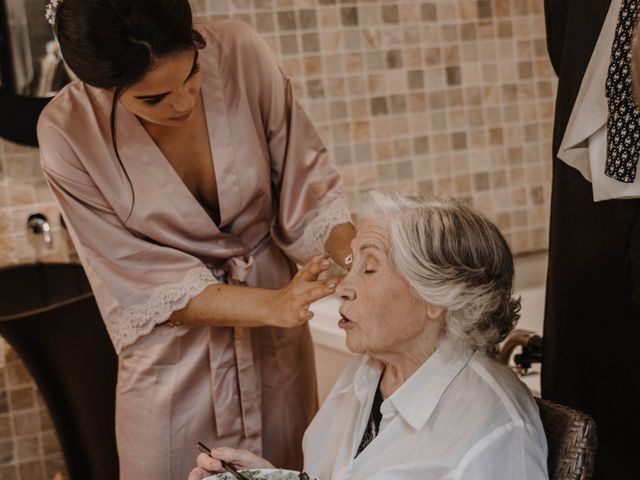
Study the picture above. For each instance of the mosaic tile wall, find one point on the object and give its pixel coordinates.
(444, 97)
(23, 191)
(29, 448)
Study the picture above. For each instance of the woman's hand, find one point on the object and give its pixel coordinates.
(240, 459)
(289, 306)
(221, 305)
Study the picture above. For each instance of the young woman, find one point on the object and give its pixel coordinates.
(191, 181)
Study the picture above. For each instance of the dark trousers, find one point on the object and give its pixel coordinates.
(592, 322)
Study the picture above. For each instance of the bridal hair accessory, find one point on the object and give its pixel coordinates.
(52, 8)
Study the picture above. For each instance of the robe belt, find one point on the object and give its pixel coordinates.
(226, 402)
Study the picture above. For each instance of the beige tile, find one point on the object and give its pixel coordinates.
(501, 8)
(539, 239)
(28, 448)
(503, 220)
(477, 139)
(359, 108)
(520, 241)
(32, 470)
(330, 41)
(354, 63)
(22, 398)
(432, 56)
(409, 13)
(335, 87)
(457, 119)
(486, 30)
(401, 149)
(418, 124)
(396, 81)
(384, 151)
(447, 11)
(21, 194)
(438, 120)
(365, 176)
(26, 423)
(386, 172)
(417, 102)
(17, 374)
(15, 149)
(496, 136)
(444, 186)
(46, 423)
(413, 57)
(369, 15)
(356, 85)
(7, 472)
(376, 83)
(462, 184)
(317, 112)
(50, 443)
(312, 66)
(468, 10)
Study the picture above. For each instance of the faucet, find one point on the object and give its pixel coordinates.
(39, 225)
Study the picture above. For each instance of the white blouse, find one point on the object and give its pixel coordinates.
(584, 145)
(461, 415)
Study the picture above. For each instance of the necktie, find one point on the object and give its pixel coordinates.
(623, 122)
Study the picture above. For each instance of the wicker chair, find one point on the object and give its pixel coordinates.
(571, 438)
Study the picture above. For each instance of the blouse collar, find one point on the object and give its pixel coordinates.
(419, 395)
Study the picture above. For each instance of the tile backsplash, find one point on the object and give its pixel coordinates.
(29, 447)
(441, 97)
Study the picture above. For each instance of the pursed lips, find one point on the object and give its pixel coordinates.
(344, 320)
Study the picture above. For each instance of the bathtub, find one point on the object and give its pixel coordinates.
(329, 340)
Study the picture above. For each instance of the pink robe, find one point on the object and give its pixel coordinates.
(279, 197)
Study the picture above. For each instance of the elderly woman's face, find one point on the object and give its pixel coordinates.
(380, 313)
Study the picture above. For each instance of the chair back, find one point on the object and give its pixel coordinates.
(571, 441)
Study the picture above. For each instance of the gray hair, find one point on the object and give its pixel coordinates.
(454, 257)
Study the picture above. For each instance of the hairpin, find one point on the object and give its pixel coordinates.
(52, 8)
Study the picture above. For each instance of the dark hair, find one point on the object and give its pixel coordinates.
(114, 43)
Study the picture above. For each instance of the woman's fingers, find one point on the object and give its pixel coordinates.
(313, 268)
(208, 463)
(291, 303)
(240, 458)
(198, 473)
(313, 294)
(318, 290)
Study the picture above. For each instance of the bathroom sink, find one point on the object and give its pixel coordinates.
(50, 318)
(27, 289)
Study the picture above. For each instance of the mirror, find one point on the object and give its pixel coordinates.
(31, 60)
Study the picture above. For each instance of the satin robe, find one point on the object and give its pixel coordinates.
(148, 247)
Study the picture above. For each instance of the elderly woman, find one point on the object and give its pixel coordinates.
(425, 302)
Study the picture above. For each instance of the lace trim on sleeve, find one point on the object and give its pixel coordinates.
(139, 320)
(318, 230)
